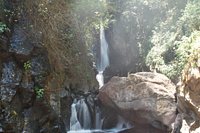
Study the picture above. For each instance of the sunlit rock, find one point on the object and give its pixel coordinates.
(145, 98)
(188, 98)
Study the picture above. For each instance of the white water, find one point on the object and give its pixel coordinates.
(98, 119)
(74, 123)
(100, 78)
(104, 62)
(84, 114)
(104, 59)
(81, 122)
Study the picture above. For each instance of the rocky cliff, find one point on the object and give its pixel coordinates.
(188, 93)
(40, 66)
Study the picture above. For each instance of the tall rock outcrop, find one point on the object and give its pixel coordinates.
(39, 65)
(188, 94)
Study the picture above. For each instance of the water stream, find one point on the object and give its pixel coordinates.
(81, 120)
(104, 59)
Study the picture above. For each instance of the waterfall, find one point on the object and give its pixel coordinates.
(80, 116)
(104, 59)
(100, 78)
(84, 114)
(81, 120)
(74, 123)
(98, 120)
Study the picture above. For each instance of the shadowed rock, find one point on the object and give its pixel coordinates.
(10, 78)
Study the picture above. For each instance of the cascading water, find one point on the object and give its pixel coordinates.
(104, 60)
(98, 120)
(84, 114)
(83, 120)
(74, 123)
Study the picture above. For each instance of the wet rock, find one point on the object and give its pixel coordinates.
(29, 125)
(11, 75)
(19, 42)
(3, 43)
(110, 119)
(28, 85)
(65, 107)
(27, 97)
(27, 81)
(9, 119)
(41, 118)
(39, 66)
(145, 98)
(16, 104)
(143, 129)
(7, 94)
(10, 78)
(39, 70)
(1, 130)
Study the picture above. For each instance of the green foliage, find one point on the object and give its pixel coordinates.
(3, 27)
(27, 65)
(174, 40)
(87, 17)
(138, 18)
(191, 15)
(39, 91)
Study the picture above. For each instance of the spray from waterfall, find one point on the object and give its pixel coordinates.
(104, 59)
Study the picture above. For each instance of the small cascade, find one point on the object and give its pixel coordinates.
(80, 116)
(104, 59)
(104, 50)
(83, 120)
(84, 114)
(74, 122)
(98, 119)
(100, 78)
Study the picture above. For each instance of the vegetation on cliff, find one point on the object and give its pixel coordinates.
(163, 33)
(174, 40)
(48, 48)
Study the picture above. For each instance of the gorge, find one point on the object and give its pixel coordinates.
(96, 66)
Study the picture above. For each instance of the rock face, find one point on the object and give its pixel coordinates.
(39, 68)
(188, 94)
(10, 78)
(24, 66)
(144, 98)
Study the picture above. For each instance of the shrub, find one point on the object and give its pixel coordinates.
(27, 65)
(39, 91)
(3, 27)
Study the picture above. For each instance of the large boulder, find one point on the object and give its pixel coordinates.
(144, 98)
